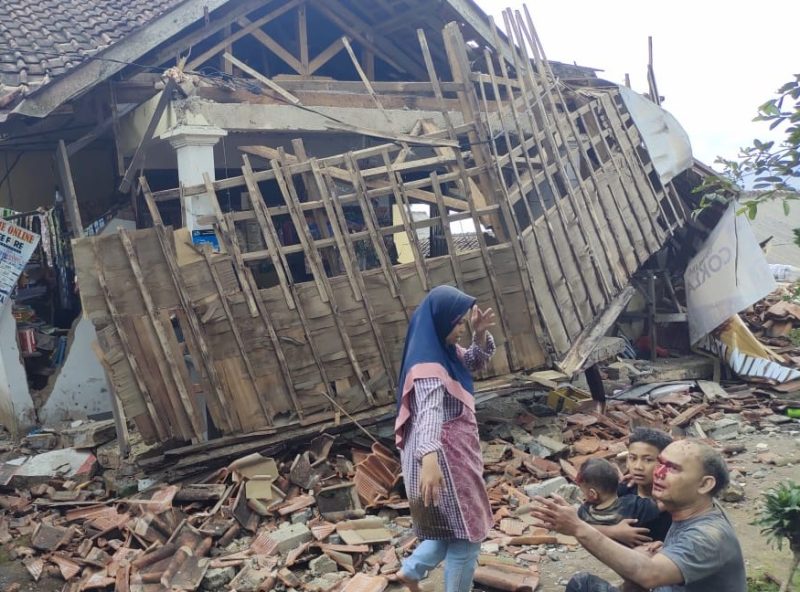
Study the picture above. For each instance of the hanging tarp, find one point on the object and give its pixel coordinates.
(666, 141)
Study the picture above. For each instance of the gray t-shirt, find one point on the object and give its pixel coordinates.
(708, 554)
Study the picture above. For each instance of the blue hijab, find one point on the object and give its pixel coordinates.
(430, 325)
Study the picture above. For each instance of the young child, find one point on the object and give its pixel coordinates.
(599, 480)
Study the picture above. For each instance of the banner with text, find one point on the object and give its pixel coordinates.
(728, 274)
(16, 247)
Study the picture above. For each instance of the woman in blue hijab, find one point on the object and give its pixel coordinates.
(437, 435)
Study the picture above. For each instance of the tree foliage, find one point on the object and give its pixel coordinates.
(772, 168)
(779, 519)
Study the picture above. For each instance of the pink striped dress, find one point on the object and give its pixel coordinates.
(445, 423)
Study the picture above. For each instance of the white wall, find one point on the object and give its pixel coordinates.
(80, 389)
(16, 406)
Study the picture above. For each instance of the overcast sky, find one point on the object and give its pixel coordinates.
(715, 61)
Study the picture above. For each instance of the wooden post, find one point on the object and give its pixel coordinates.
(138, 157)
(651, 288)
(68, 187)
(459, 66)
(302, 37)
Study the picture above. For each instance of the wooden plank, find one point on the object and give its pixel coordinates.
(339, 14)
(544, 332)
(138, 156)
(633, 164)
(313, 194)
(557, 246)
(372, 226)
(302, 38)
(189, 406)
(120, 424)
(337, 160)
(345, 250)
(68, 186)
(402, 204)
(337, 217)
(226, 232)
(219, 47)
(266, 319)
(219, 414)
(460, 68)
(610, 196)
(100, 128)
(262, 79)
(161, 429)
(270, 236)
(287, 190)
(455, 262)
(534, 108)
(568, 135)
(194, 324)
(364, 78)
(263, 401)
(342, 175)
(215, 25)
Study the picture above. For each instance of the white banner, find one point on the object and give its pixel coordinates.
(16, 247)
(728, 274)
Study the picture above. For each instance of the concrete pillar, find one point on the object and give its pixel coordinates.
(194, 145)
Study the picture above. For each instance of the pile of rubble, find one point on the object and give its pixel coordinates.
(775, 320)
(331, 516)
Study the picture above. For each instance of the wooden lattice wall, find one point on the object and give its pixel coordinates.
(557, 174)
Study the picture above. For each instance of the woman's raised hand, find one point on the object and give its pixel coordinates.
(481, 320)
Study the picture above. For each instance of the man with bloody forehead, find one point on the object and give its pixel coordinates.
(700, 553)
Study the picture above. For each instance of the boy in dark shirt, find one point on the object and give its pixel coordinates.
(644, 446)
(599, 480)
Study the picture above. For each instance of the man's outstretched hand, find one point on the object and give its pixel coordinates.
(557, 514)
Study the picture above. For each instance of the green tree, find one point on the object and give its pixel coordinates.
(771, 167)
(779, 519)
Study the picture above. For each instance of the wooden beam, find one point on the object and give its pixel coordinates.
(68, 187)
(364, 78)
(215, 25)
(263, 399)
(477, 21)
(100, 128)
(325, 56)
(368, 59)
(220, 47)
(263, 79)
(272, 45)
(388, 51)
(340, 174)
(138, 157)
(302, 38)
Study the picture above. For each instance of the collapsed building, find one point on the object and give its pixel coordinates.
(279, 165)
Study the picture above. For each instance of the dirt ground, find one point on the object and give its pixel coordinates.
(757, 478)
